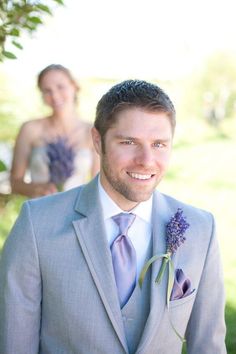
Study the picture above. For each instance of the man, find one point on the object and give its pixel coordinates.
(70, 267)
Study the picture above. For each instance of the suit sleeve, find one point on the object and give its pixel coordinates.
(20, 289)
(206, 328)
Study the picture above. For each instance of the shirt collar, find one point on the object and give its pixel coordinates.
(143, 210)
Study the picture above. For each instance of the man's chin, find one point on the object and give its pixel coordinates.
(139, 198)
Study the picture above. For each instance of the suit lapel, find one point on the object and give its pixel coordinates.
(90, 231)
(160, 217)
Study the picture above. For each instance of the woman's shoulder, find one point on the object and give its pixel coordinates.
(86, 125)
(34, 123)
(83, 132)
(32, 129)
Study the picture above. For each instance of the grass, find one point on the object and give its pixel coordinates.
(202, 173)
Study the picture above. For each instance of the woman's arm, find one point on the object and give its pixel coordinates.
(23, 146)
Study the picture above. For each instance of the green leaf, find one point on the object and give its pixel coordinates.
(17, 44)
(3, 167)
(35, 20)
(44, 8)
(15, 32)
(8, 55)
(30, 28)
(61, 2)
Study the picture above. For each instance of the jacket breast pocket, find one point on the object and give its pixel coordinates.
(183, 300)
(180, 312)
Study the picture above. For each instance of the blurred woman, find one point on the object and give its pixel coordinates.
(36, 138)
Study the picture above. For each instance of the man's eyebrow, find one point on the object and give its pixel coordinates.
(120, 136)
(163, 140)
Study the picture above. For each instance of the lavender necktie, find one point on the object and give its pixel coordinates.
(124, 258)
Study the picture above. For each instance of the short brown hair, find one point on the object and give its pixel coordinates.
(131, 94)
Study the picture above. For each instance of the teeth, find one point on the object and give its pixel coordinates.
(138, 176)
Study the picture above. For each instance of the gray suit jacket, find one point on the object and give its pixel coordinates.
(58, 293)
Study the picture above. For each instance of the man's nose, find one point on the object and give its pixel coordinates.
(145, 157)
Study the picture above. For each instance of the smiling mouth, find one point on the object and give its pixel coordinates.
(58, 104)
(140, 176)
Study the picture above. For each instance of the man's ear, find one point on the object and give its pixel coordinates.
(96, 140)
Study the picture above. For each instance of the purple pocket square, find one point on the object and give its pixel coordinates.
(182, 286)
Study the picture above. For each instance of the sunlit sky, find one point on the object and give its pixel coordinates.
(128, 38)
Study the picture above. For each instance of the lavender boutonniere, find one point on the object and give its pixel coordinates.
(175, 230)
(61, 161)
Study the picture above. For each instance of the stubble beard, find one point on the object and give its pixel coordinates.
(122, 188)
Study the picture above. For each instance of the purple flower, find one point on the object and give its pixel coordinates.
(175, 230)
(61, 161)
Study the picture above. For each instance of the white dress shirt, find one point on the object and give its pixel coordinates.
(140, 232)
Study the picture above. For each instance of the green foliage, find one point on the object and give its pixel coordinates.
(3, 166)
(211, 94)
(18, 16)
(230, 316)
(9, 209)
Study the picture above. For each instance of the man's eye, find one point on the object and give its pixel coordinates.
(158, 145)
(127, 142)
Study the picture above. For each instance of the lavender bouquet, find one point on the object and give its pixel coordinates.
(60, 161)
(175, 230)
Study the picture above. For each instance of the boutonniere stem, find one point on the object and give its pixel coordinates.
(166, 258)
(175, 230)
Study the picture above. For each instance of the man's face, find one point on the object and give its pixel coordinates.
(136, 156)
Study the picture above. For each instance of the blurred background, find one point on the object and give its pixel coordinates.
(186, 47)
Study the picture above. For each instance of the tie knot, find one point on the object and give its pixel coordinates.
(124, 221)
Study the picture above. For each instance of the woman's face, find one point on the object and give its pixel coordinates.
(58, 90)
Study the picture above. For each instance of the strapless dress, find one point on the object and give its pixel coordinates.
(39, 170)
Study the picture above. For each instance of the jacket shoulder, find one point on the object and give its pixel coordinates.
(55, 204)
(194, 214)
